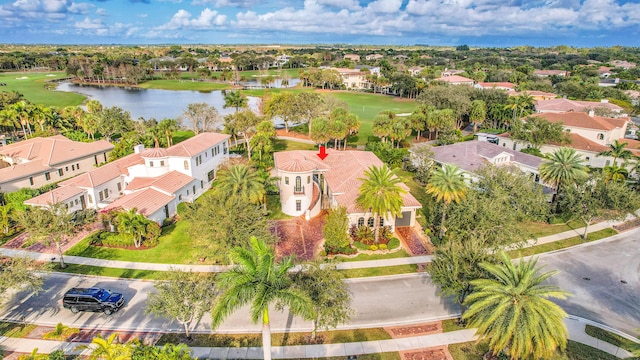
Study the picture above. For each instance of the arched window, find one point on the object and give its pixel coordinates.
(600, 136)
(186, 164)
(370, 222)
(298, 187)
(361, 222)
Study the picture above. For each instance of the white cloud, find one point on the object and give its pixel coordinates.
(101, 11)
(182, 20)
(341, 4)
(227, 3)
(385, 6)
(88, 24)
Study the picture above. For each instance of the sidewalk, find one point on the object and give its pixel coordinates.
(576, 327)
(220, 268)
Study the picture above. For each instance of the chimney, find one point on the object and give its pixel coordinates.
(592, 113)
(137, 149)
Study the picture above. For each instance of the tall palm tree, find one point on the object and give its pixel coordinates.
(564, 166)
(447, 184)
(259, 280)
(167, 127)
(521, 105)
(617, 151)
(615, 173)
(513, 311)
(242, 180)
(235, 99)
(380, 193)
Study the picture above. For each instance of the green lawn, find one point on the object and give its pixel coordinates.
(544, 229)
(380, 271)
(175, 247)
(614, 339)
(32, 86)
(112, 272)
(15, 330)
(282, 145)
(182, 135)
(574, 351)
(562, 244)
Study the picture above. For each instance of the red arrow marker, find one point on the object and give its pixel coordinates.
(322, 154)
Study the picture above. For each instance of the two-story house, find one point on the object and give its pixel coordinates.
(308, 184)
(154, 181)
(40, 161)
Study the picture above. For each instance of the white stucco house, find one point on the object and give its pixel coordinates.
(308, 185)
(589, 135)
(154, 181)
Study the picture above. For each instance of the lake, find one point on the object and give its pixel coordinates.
(152, 103)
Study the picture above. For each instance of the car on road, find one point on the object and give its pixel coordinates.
(92, 299)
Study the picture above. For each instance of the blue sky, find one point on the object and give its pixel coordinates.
(398, 22)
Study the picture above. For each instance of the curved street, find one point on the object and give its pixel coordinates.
(379, 301)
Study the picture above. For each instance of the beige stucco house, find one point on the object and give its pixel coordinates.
(308, 185)
(40, 161)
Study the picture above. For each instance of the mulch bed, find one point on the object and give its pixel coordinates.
(415, 330)
(299, 237)
(627, 225)
(411, 241)
(19, 241)
(439, 353)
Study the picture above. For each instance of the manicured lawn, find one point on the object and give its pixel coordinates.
(574, 351)
(282, 145)
(544, 229)
(367, 106)
(277, 339)
(112, 272)
(420, 193)
(32, 86)
(15, 330)
(175, 247)
(562, 244)
(182, 135)
(380, 271)
(184, 85)
(612, 338)
(364, 257)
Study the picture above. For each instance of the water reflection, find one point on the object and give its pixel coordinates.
(153, 103)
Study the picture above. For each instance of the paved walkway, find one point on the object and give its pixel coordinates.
(219, 268)
(576, 327)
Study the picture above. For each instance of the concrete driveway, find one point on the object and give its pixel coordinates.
(604, 279)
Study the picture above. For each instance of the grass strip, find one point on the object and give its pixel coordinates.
(574, 351)
(365, 257)
(112, 272)
(15, 330)
(277, 339)
(613, 339)
(562, 244)
(450, 325)
(380, 271)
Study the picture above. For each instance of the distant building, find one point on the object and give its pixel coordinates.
(372, 57)
(455, 80)
(547, 73)
(40, 161)
(153, 181)
(353, 79)
(535, 94)
(507, 86)
(452, 72)
(566, 105)
(352, 57)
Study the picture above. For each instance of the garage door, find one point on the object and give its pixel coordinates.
(405, 220)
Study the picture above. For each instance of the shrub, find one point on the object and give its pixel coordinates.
(168, 221)
(57, 355)
(373, 247)
(394, 243)
(181, 208)
(384, 234)
(152, 235)
(362, 234)
(85, 216)
(383, 246)
(360, 246)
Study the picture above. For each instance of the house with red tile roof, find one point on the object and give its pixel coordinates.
(153, 181)
(588, 134)
(507, 86)
(535, 94)
(455, 80)
(546, 73)
(308, 185)
(561, 105)
(40, 161)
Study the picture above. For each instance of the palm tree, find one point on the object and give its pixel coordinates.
(235, 99)
(167, 127)
(521, 105)
(564, 166)
(259, 280)
(513, 311)
(242, 180)
(447, 184)
(615, 173)
(133, 224)
(109, 348)
(380, 193)
(617, 151)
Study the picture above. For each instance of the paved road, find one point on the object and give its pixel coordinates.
(377, 301)
(604, 297)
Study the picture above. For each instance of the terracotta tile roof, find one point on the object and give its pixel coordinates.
(454, 79)
(56, 195)
(581, 143)
(23, 170)
(472, 155)
(583, 120)
(535, 93)
(549, 72)
(342, 171)
(146, 201)
(54, 150)
(633, 145)
(196, 144)
(573, 105)
(104, 173)
(169, 182)
(154, 153)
